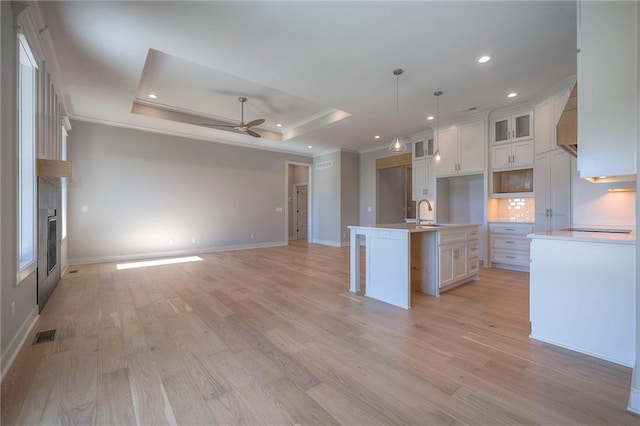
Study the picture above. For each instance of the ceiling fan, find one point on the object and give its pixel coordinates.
(242, 127)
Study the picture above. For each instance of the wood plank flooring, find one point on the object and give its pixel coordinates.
(272, 336)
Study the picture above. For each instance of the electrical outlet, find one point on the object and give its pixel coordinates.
(193, 240)
(253, 236)
(369, 209)
(13, 309)
(85, 209)
(170, 242)
(344, 235)
(278, 209)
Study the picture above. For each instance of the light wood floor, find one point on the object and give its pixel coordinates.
(272, 336)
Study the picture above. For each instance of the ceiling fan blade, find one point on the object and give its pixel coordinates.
(253, 133)
(257, 122)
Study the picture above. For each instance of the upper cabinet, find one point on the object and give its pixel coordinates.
(423, 179)
(512, 128)
(462, 148)
(608, 88)
(423, 148)
(545, 117)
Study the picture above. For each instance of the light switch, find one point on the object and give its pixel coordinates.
(369, 209)
(278, 209)
(85, 209)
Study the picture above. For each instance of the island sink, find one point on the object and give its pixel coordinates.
(405, 257)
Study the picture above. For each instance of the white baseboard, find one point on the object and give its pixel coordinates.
(634, 395)
(331, 243)
(615, 361)
(18, 340)
(189, 252)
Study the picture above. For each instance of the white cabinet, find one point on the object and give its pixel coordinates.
(512, 128)
(608, 90)
(553, 190)
(546, 115)
(458, 256)
(423, 148)
(453, 263)
(512, 155)
(423, 179)
(509, 245)
(462, 148)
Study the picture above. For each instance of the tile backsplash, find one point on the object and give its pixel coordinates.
(516, 209)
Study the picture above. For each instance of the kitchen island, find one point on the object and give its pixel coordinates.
(401, 257)
(583, 293)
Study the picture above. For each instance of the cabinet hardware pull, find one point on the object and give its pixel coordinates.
(509, 229)
(550, 212)
(510, 257)
(510, 242)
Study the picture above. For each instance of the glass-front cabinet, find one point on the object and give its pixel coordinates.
(512, 128)
(423, 148)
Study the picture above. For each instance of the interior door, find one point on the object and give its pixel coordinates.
(302, 213)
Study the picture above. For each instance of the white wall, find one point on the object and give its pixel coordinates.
(326, 199)
(144, 189)
(592, 204)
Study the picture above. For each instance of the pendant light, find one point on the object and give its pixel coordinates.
(398, 144)
(436, 137)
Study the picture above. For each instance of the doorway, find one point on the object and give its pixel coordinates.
(298, 192)
(301, 203)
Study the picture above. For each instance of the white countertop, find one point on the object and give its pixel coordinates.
(511, 222)
(412, 227)
(594, 237)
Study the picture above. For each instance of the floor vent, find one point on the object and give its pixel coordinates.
(45, 336)
(73, 272)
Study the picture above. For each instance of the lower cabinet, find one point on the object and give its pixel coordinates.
(458, 256)
(509, 245)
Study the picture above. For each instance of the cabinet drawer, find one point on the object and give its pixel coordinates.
(509, 242)
(452, 236)
(511, 229)
(473, 249)
(510, 257)
(473, 234)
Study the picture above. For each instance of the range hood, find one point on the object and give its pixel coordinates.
(567, 127)
(53, 168)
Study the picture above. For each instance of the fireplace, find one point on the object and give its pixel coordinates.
(49, 202)
(52, 243)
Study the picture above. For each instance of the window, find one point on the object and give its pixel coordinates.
(26, 160)
(63, 146)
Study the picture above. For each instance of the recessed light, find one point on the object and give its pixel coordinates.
(309, 147)
(512, 95)
(431, 117)
(483, 59)
(152, 96)
(376, 137)
(279, 125)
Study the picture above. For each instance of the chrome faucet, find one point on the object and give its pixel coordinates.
(418, 209)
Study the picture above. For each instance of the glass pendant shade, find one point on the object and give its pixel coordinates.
(398, 144)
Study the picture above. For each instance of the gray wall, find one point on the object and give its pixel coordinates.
(24, 294)
(326, 199)
(349, 186)
(150, 194)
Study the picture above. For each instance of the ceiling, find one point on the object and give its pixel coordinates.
(324, 70)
